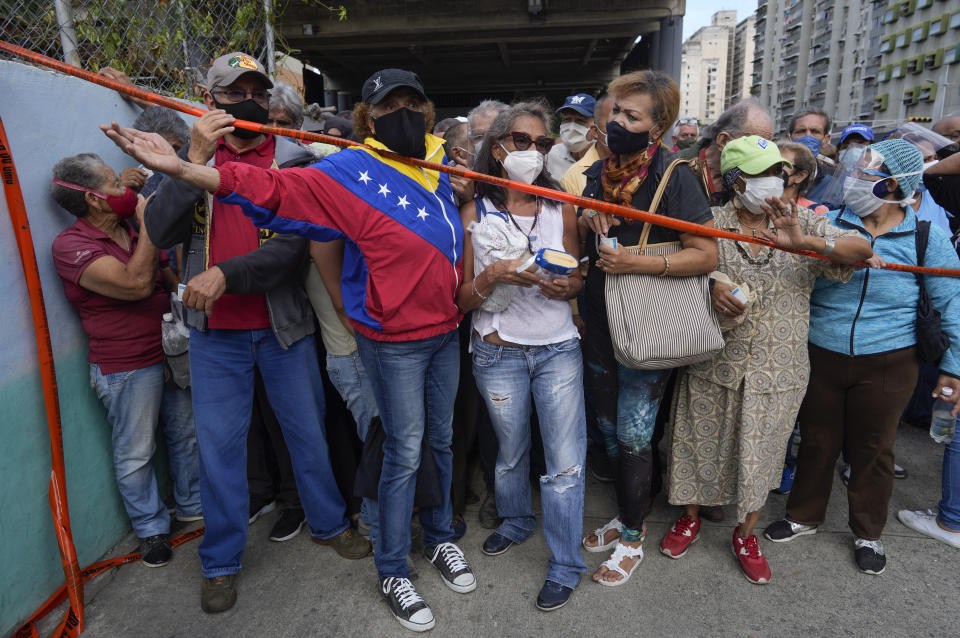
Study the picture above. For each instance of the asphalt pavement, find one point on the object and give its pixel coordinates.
(297, 588)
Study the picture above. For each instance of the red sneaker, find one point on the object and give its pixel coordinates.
(751, 559)
(683, 534)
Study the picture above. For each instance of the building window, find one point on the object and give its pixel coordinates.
(920, 32)
(886, 45)
(880, 102)
(923, 4)
(928, 92)
(883, 75)
(891, 14)
(933, 59)
(907, 7)
(939, 25)
(955, 20)
(898, 70)
(910, 96)
(952, 55)
(903, 38)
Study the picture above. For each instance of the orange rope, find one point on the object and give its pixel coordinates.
(576, 200)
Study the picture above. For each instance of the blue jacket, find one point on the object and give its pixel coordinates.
(876, 311)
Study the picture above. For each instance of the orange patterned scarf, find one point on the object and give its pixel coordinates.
(621, 182)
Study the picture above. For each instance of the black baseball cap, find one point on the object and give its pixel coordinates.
(382, 82)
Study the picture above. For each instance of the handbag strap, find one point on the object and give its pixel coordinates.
(655, 203)
(921, 239)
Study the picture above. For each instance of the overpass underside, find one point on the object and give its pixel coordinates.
(469, 50)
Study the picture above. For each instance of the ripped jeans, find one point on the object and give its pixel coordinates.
(506, 376)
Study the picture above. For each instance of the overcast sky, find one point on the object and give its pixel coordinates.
(699, 12)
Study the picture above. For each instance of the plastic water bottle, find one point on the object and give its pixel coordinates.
(942, 423)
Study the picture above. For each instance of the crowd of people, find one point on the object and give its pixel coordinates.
(460, 320)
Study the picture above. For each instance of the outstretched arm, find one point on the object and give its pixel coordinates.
(154, 152)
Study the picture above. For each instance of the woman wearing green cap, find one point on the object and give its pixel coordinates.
(732, 415)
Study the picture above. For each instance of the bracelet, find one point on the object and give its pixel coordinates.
(475, 291)
(828, 245)
(666, 266)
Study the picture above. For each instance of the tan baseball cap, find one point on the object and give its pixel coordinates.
(228, 68)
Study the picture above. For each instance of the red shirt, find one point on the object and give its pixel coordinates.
(124, 335)
(232, 234)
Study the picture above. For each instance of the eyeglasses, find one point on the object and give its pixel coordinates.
(688, 121)
(522, 141)
(236, 95)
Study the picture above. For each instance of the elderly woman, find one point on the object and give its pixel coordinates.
(286, 106)
(645, 104)
(732, 415)
(798, 178)
(402, 270)
(863, 361)
(119, 282)
(528, 352)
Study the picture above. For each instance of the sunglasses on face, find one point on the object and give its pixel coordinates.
(522, 141)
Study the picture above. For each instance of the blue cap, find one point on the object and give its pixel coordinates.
(857, 129)
(581, 103)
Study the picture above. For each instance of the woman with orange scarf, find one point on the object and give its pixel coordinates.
(626, 400)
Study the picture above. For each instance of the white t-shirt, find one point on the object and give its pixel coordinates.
(531, 319)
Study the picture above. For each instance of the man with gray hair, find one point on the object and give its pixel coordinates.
(481, 117)
(746, 117)
(685, 133)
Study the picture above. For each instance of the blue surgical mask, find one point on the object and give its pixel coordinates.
(810, 142)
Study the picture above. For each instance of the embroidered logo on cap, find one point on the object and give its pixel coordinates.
(243, 61)
(377, 83)
(762, 143)
(576, 99)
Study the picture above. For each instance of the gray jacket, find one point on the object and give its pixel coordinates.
(178, 214)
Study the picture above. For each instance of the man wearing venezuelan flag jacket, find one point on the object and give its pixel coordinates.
(401, 270)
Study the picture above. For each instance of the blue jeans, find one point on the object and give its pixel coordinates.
(506, 376)
(415, 384)
(222, 374)
(950, 484)
(176, 414)
(134, 400)
(349, 377)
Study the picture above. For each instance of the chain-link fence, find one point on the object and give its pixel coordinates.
(163, 45)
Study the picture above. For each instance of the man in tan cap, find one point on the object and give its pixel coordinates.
(247, 311)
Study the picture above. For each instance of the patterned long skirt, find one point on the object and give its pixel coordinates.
(728, 446)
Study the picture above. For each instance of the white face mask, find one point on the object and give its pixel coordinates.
(758, 190)
(574, 136)
(858, 197)
(523, 166)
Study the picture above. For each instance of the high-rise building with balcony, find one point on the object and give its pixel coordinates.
(706, 59)
(872, 61)
(740, 73)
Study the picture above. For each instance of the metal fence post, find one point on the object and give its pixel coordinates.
(68, 35)
(268, 34)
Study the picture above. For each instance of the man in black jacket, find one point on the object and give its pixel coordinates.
(247, 311)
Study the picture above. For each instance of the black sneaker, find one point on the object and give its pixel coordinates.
(288, 525)
(406, 605)
(218, 594)
(899, 472)
(453, 568)
(784, 530)
(259, 507)
(155, 551)
(869, 556)
(553, 596)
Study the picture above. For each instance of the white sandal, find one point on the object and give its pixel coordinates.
(613, 564)
(614, 525)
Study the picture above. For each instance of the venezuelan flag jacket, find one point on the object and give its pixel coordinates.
(403, 255)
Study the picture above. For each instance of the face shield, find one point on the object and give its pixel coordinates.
(932, 145)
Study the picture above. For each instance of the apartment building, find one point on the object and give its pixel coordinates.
(740, 76)
(706, 59)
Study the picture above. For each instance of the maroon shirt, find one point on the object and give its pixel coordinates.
(124, 335)
(232, 234)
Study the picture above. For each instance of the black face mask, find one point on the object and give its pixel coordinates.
(403, 132)
(620, 141)
(687, 143)
(246, 110)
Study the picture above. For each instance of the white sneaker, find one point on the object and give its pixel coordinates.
(925, 522)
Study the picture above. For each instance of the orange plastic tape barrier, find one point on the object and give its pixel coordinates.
(72, 623)
(576, 200)
(29, 629)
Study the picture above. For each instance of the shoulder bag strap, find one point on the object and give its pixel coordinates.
(922, 238)
(655, 204)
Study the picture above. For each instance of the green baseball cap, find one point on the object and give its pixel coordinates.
(751, 154)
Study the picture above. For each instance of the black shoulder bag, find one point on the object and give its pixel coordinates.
(931, 342)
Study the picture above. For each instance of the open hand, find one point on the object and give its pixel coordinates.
(787, 231)
(150, 149)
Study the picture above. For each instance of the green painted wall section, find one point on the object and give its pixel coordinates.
(31, 564)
